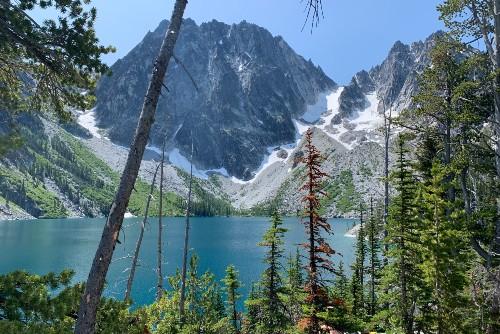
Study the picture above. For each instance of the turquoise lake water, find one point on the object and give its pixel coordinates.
(41, 246)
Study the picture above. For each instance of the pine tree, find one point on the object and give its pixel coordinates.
(319, 251)
(273, 315)
(374, 254)
(232, 284)
(402, 277)
(268, 302)
(341, 316)
(446, 258)
(293, 297)
(358, 268)
(252, 316)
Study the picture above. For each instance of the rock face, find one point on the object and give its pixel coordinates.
(394, 81)
(250, 87)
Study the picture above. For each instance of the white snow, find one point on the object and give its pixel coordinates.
(315, 111)
(270, 160)
(368, 119)
(331, 103)
(177, 159)
(87, 120)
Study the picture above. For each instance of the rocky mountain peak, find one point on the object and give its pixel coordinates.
(251, 86)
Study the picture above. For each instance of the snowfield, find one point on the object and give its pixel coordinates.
(87, 120)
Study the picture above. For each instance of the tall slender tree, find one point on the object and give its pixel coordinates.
(374, 254)
(138, 244)
(294, 294)
(318, 249)
(186, 238)
(446, 256)
(273, 317)
(97, 275)
(232, 284)
(402, 277)
(359, 268)
(480, 19)
(159, 273)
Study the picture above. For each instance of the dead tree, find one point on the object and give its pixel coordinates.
(130, 280)
(318, 249)
(159, 286)
(387, 139)
(186, 240)
(87, 312)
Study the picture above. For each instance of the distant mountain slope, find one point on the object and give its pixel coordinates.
(251, 86)
(346, 124)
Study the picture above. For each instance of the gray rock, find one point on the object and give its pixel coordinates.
(251, 85)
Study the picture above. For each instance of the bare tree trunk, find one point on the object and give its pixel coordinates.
(139, 239)
(186, 241)
(387, 138)
(87, 312)
(159, 286)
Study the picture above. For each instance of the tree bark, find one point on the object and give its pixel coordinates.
(387, 137)
(159, 286)
(87, 312)
(186, 241)
(139, 239)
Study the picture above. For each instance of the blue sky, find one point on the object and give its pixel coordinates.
(354, 34)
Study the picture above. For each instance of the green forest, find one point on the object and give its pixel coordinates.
(427, 251)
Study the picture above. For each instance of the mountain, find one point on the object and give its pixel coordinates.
(250, 86)
(255, 99)
(347, 129)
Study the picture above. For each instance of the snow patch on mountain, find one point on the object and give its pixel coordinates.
(362, 125)
(87, 121)
(176, 159)
(275, 155)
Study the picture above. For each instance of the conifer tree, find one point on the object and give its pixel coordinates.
(446, 257)
(273, 315)
(268, 303)
(232, 284)
(402, 277)
(374, 253)
(294, 288)
(358, 268)
(252, 316)
(318, 249)
(341, 316)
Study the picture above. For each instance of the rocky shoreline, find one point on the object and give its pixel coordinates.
(7, 213)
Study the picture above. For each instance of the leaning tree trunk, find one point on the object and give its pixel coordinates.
(139, 239)
(186, 242)
(159, 286)
(87, 312)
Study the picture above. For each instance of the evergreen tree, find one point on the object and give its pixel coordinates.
(374, 255)
(271, 316)
(205, 309)
(402, 277)
(341, 316)
(446, 258)
(318, 249)
(232, 284)
(358, 269)
(61, 57)
(293, 298)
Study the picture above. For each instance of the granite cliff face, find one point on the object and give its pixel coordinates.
(250, 87)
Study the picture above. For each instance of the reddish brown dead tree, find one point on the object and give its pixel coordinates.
(319, 251)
